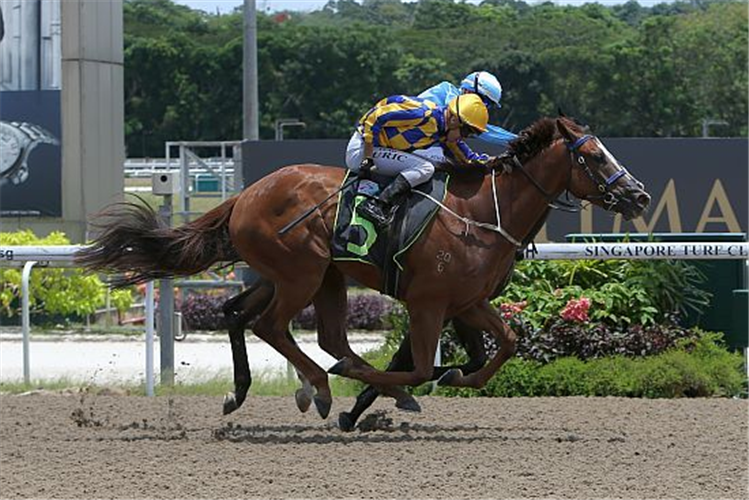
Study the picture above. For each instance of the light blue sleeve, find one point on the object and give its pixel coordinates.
(496, 135)
(440, 94)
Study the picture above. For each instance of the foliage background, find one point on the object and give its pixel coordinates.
(627, 70)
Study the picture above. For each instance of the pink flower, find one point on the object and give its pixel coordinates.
(510, 309)
(576, 310)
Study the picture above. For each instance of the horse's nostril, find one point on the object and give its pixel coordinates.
(642, 200)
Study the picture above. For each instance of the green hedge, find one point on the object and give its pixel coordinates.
(698, 368)
(61, 292)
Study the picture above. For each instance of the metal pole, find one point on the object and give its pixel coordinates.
(223, 171)
(25, 319)
(30, 44)
(149, 338)
(250, 127)
(166, 311)
(184, 177)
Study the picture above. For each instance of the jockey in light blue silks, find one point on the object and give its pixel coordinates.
(487, 87)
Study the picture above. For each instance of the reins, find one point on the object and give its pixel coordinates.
(604, 186)
(497, 228)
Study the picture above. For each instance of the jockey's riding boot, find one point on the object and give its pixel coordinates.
(381, 210)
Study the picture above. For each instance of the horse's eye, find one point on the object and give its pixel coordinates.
(600, 158)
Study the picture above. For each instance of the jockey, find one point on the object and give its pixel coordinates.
(404, 137)
(487, 87)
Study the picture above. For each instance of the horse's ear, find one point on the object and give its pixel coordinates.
(565, 131)
(561, 113)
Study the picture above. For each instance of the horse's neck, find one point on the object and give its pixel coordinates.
(523, 207)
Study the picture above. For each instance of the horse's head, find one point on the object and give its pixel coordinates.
(598, 177)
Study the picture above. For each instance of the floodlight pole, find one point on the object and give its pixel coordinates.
(250, 128)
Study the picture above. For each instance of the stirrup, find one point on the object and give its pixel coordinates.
(373, 212)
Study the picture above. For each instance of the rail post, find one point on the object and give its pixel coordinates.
(25, 318)
(149, 338)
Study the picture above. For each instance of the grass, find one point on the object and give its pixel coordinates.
(263, 384)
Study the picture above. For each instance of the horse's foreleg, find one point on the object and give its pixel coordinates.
(402, 360)
(484, 317)
(330, 307)
(472, 341)
(238, 311)
(426, 325)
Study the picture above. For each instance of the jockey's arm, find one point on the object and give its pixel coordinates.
(463, 155)
(496, 135)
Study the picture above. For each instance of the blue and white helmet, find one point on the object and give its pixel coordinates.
(485, 85)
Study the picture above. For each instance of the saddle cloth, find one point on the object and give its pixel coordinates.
(356, 238)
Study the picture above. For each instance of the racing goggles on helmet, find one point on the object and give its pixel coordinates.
(487, 102)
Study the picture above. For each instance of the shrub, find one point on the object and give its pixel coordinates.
(699, 367)
(366, 311)
(620, 292)
(54, 292)
(204, 312)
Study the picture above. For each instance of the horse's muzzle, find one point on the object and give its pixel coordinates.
(634, 203)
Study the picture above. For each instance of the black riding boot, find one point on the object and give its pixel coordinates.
(381, 210)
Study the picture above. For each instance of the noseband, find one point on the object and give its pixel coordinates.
(607, 196)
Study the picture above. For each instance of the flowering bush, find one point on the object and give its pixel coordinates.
(576, 311)
(508, 310)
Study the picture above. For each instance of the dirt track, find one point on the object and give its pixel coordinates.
(126, 447)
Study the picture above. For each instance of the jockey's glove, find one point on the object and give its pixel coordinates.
(366, 167)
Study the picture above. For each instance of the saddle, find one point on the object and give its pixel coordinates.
(357, 239)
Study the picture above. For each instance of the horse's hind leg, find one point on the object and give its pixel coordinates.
(330, 307)
(272, 326)
(472, 341)
(239, 310)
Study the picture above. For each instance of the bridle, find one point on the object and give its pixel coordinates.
(609, 198)
(604, 185)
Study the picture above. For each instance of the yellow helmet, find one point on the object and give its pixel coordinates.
(470, 110)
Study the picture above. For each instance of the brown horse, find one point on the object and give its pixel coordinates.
(450, 272)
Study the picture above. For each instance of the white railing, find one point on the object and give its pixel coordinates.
(144, 167)
(29, 257)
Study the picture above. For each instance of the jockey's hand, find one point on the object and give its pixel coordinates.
(497, 162)
(365, 168)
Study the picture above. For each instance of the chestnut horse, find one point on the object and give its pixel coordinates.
(450, 272)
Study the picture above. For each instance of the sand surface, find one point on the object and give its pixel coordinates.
(86, 446)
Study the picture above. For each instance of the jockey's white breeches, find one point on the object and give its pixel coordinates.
(416, 167)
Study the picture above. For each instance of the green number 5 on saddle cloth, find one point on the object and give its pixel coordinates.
(356, 239)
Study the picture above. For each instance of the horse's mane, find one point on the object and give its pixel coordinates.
(531, 141)
(537, 137)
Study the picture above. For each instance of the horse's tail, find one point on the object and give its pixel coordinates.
(135, 241)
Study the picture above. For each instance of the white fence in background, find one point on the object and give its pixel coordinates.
(29, 257)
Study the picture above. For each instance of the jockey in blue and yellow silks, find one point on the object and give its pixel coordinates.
(486, 86)
(405, 137)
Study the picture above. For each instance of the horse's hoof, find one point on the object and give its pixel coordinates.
(339, 368)
(346, 422)
(303, 400)
(408, 404)
(230, 403)
(450, 377)
(323, 406)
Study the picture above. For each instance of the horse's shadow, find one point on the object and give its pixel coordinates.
(405, 432)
